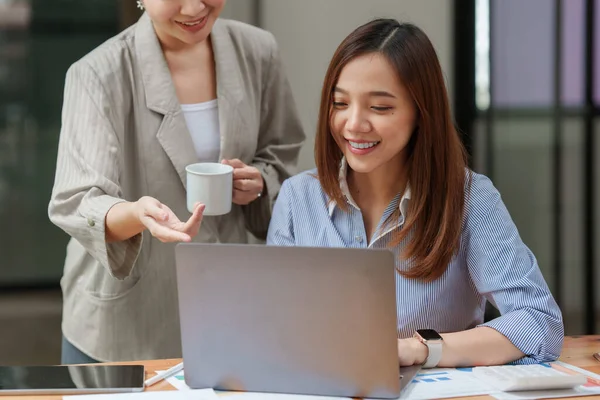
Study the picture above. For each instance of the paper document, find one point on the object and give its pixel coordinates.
(592, 387)
(177, 380)
(201, 394)
(276, 396)
(432, 384)
(439, 383)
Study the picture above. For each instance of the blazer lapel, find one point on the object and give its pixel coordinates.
(230, 90)
(161, 97)
(173, 134)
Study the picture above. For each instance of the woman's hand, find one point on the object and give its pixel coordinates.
(164, 225)
(411, 352)
(248, 183)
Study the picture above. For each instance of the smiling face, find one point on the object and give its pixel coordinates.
(373, 115)
(183, 22)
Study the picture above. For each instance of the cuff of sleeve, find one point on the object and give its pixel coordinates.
(540, 341)
(118, 257)
(258, 212)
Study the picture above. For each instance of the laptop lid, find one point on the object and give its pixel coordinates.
(318, 321)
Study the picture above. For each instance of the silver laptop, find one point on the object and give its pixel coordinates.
(314, 321)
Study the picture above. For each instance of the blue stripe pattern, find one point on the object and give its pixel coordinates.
(493, 263)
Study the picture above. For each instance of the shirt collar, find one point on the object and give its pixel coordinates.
(346, 192)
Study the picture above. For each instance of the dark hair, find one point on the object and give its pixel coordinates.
(436, 157)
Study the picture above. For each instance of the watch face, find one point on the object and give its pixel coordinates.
(429, 334)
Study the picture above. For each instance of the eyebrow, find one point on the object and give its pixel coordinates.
(375, 93)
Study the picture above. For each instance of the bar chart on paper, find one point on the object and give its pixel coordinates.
(432, 377)
(439, 383)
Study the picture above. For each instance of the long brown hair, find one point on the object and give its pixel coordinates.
(436, 157)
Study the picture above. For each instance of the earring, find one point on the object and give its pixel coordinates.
(140, 5)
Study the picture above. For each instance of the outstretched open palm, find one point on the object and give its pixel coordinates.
(164, 225)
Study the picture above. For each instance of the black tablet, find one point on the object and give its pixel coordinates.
(71, 379)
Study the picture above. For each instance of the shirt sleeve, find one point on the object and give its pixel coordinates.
(281, 228)
(86, 183)
(506, 273)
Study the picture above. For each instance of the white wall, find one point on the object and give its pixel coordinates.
(309, 31)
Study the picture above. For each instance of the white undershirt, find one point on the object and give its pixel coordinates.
(203, 123)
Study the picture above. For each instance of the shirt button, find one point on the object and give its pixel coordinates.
(358, 238)
(91, 222)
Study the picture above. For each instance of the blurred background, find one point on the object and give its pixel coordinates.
(524, 80)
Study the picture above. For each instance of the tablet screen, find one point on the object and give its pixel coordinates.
(77, 377)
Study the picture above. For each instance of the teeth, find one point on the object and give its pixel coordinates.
(363, 145)
(191, 23)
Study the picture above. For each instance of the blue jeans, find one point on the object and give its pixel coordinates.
(72, 355)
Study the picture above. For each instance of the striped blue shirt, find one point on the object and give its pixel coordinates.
(492, 263)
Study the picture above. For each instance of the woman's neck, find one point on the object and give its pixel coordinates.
(373, 192)
(376, 188)
(193, 72)
(201, 49)
(171, 44)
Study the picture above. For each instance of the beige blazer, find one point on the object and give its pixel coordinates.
(124, 136)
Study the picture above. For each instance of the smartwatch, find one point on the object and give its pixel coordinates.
(434, 342)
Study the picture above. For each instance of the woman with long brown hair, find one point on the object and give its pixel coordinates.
(392, 173)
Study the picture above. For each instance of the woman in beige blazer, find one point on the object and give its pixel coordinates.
(125, 141)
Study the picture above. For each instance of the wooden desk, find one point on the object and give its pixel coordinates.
(577, 351)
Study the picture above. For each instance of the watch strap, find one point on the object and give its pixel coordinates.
(435, 353)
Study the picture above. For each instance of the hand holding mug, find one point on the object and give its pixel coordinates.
(164, 225)
(248, 183)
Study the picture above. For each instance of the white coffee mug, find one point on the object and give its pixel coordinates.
(210, 184)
